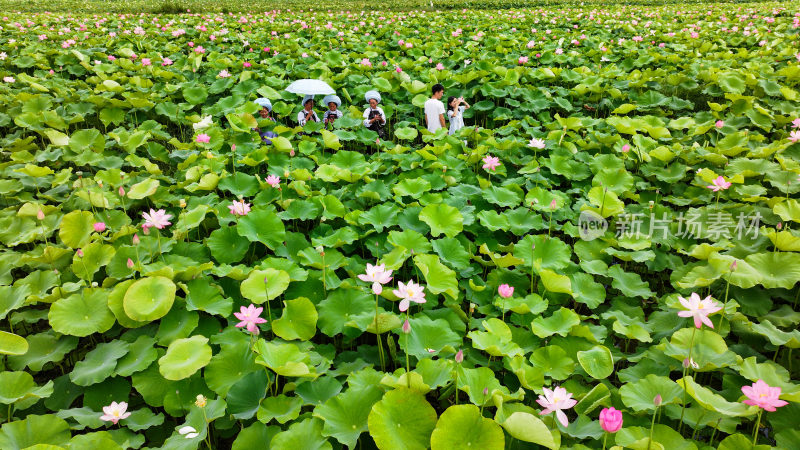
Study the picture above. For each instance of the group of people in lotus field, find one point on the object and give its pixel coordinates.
(374, 117)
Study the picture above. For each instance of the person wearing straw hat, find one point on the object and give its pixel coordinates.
(374, 118)
(307, 113)
(333, 112)
(265, 113)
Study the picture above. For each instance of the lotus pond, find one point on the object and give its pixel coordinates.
(606, 255)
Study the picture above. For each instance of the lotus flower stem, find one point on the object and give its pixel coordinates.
(652, 425)
(686, 369)
(408, 364)
(758, 424)
(160, 252)
(378, 336)
(605, 435)
(724, 303)
(714, 433)
(269, 310)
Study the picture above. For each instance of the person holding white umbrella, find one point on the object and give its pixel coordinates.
(307, 113)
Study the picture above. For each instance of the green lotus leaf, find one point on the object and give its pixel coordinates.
(640, 394)
(598, 396)
(553, 361)
(402, 419)
(11, 344)
(34, 430)
(428, 335)
(597, 362)
(463, 425)
(281, 408)
(284, 359)
(82, 314)
(41, 348)
(712, 401)
(143, 189)
(149, 298)
(240, 184)
(227, 246)
(141, 353)
(76, 228)
(99, 363)
(528, 428)
(253, 436)
(257, 290)
(664, 437)
(406, 133)
(346, 414)
(443, 219)
(475, 381)
(244, 397)
(739, 441)
(184, 357)
(299, 320)
(19, 389)
(496, 340)
(438, 277)
(560, 322)
(341, 306)
(710, 351)
(306, 435)
(788, 210)
(777, 269)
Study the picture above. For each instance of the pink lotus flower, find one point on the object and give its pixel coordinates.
(699, 309)
(559, 51)
(522, 60)
(9, 79)
(378, 275)
(626, 148)
(99, 227)
(556, 400)
(247, 64)
(719, 183)
(166, 62)
(224, 74)
(491, 162)
(398, 69)
(796, 123)
(40, 215)
(611, 420)
(239, 208)
(505, 290)
(79, 252)
(439, 66)
(115, 412)
(203, 138)
(719, 124)
(536, 143)
(249, 317)
(408, 293)
(531, 44)
(553, 204)
(763, 395)
(273, 180)
(158, 219)
(366, 62)
(146, 61)
(794, 136)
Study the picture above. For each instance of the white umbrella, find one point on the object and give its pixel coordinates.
(310, 87)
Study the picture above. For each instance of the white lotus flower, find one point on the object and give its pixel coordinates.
(203, 124)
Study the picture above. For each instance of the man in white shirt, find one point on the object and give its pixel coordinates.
(434, 109)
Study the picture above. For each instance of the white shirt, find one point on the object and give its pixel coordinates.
(456, 118)
(366, 116)
(301, 117)
(433, 108)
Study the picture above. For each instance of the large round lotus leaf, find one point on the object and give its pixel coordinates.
(11, 344)
(184, 357)
(712, 401)
(117, 307)
(254, 436)
(639, 395)
(443, 219)
(19, 388)
(263, 285)
(709, 349)
(149, 298)
(244, 397)
(82, 314)
(76, 228)
(99, 440)
(528, 428)
(346, 414)
(284, 359)
(46, 430)
(553, 361)
(597, 362)
(402, 419)
(439, 279)
(299, 320)
(778, 269)
(463, 426)
(306, 435)
(262, 226)
(227, 246)
(143, 189)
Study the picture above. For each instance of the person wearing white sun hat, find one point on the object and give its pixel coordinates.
(333, 112)
(265, 113)
(307, 113)
(374, 117)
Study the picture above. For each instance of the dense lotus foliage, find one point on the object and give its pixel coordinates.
(606, 255)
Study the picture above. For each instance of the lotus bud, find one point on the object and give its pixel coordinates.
(626, 148)
(40, 215)
(780, 225)
(553, 204)
(99, 227)
(650, 205)
(471, 307)
(209, 155)
(406, 327)
(733, 266)
(121, 191)
(291, 152)
(460, 356)
(201, 401)
(233, 147)
(321, 250)
(94, 284)
(100, 183)
(657, 400)
(79, 253)
(285, 174)
(130, 264)
(265, 280)
(146, 230)
(182, 203)
(485, 391)
(135, 239)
